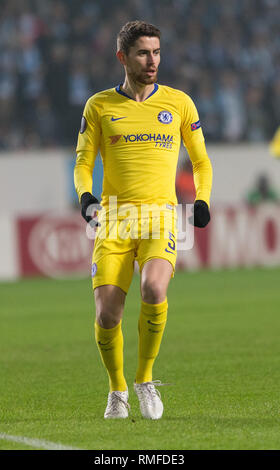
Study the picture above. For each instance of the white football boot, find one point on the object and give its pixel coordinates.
(117, 406)
(149, 397)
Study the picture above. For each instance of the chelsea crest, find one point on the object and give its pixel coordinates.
(165, 117)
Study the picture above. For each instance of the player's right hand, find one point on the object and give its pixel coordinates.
(90, 205)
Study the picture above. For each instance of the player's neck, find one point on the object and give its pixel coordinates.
(138, 92)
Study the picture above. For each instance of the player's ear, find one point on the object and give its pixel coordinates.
(121, 56)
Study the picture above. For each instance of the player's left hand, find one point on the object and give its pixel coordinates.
(201, 214)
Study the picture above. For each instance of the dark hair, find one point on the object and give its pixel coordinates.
(133, 30)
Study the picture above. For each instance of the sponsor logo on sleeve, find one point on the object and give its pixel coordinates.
(195, 125)
(83, 125)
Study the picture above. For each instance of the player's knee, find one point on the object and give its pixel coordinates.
(153, 291)
(106, 320)
(109, 305)
(108, 316)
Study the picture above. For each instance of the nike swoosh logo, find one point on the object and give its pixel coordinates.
(117, 119)
(151, 323)
(103, 344)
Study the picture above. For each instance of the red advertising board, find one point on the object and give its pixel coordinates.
(52, 245)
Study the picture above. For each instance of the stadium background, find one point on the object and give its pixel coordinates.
(55, 54)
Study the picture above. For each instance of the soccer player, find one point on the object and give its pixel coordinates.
(137, 126)
(274, 145)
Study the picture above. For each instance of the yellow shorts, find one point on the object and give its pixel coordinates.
(123, 242)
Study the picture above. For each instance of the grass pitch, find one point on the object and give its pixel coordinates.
(220, 351)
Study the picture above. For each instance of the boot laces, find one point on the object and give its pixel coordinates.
(114, 400)
(149, 390)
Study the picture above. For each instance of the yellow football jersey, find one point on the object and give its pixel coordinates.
(139, 143)
(274, 145)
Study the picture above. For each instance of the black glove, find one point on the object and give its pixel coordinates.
(201, 214)
(90, 205)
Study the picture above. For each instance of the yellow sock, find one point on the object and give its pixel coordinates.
(151, 326)
(110, 345)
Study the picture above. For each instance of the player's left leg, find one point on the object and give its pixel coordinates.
(156, 256)
(155, 277)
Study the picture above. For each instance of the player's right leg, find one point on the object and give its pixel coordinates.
(109, 301)
(113, 266)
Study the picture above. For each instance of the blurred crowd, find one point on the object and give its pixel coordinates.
(54, 54)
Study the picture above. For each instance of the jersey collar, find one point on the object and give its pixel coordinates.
(118, 90)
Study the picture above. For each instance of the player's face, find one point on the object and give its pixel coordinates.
(143, 60)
